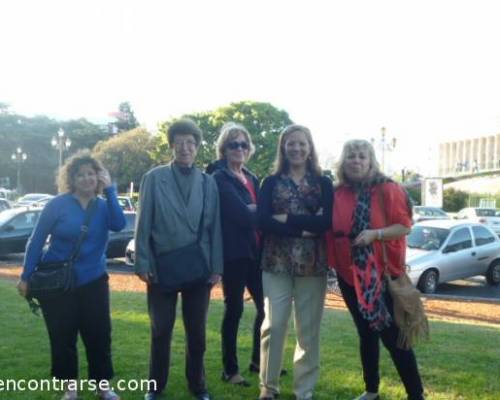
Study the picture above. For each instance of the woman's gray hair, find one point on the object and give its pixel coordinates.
(229, 132)
(352, 145)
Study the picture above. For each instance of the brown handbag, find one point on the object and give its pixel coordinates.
(409, 312)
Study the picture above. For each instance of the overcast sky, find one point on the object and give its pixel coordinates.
(429, 71)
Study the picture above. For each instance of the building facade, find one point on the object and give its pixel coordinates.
(469, 156)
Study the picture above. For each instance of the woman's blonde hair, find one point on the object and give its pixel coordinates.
(66, 176)
(281, 164)
(229, 132)
(353, 145)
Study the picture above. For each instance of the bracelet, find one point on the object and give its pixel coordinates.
(380, 234)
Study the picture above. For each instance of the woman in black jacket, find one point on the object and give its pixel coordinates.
(238, 190)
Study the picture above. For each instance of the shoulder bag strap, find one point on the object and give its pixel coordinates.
(380, 197)
(84, 229)
(200, 225)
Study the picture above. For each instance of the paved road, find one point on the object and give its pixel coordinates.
(474, 287)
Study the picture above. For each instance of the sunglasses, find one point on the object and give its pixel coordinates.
(236, 145)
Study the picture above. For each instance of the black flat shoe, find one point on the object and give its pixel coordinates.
(203, 396)
(256, 369)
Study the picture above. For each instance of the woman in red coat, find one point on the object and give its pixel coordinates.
(370, 208)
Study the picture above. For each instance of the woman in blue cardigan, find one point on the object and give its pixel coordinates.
(238, 191)
(85, 310)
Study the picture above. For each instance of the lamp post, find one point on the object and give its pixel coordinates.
(61, 143)
(384, 146)
(19, 157)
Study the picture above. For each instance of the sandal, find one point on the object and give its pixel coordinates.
(235, 379)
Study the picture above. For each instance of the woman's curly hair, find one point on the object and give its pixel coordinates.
(66, 177)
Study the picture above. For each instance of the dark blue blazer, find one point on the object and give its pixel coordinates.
(239, 224)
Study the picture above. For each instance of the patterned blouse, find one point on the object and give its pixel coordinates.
(296, 256)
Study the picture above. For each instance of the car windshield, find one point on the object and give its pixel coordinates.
(7, 214)
(32, 197)
(485, 212)
(430, 212)
(427, 237)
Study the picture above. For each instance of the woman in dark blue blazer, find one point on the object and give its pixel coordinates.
(238, 192)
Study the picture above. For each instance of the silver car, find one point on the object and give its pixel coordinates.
(445, 250)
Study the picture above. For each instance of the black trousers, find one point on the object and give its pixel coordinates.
(404, 360)
(239, 274)
(162, 307)
(84, 311)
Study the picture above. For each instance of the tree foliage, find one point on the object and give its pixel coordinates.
(34, 136)
(454, 200)
(263, 121)
(125, 117)
(127, 156)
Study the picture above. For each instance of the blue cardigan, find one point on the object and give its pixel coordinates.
(239, 224)
(62, 218)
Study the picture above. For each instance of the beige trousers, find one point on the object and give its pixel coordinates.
(307, 295)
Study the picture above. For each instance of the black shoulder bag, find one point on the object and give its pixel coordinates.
(54, 278)
(186, 266)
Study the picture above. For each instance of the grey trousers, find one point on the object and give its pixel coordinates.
(307, 294)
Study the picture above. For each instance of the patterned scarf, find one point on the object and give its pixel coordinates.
(367, 273)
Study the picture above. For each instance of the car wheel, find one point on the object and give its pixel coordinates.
(428, 281)
(493, 274)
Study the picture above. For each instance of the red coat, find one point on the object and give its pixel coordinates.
(397, 212)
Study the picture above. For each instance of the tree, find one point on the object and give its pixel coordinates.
(454, 200)
(125, 118)
(34, 136)
(263, 121)
(127, 156)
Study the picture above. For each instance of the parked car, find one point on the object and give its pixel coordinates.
(446, 250)
(4, 205)
(16, 225)
(33, 200)
(130, 253)
(126, 203)
(486, 216)
(118, 241)
(424, 213)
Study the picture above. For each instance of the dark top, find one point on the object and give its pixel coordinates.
(239, 224)
(285, 250)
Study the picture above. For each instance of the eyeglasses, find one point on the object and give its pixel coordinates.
(236, 145)
(186, 143)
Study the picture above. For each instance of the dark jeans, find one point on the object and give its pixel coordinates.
(84, 311)
(239, 274)
(404, 360)
(162, 307)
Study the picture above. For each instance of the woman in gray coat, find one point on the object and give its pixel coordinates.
(173, 199)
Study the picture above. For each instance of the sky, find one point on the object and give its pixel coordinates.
(427, 71)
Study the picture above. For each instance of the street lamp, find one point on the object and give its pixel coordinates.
(384, 146)
(19, 157)
(61, 143)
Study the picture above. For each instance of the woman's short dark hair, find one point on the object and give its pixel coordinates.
(281, 164)
(184, 126)
(66, 176)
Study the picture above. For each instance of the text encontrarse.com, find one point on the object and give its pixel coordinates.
(54, 384)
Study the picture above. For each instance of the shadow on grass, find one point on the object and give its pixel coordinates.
(461, 361)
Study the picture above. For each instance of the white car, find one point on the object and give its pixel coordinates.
(447, 250)
(486, 216)
(130, 253)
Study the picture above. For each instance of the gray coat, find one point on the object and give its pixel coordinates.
(165, 222)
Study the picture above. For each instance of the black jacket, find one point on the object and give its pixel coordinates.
(295, 223)
(239, 224)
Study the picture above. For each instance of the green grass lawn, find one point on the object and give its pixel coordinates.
(461, 362)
